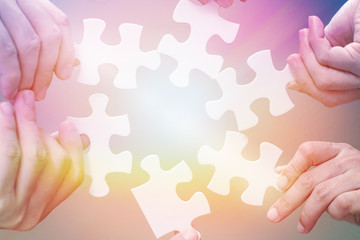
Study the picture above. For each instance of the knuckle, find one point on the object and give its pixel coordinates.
(284, 203)
(331, 102)
(323, 58)
(62, 20)
(342, 203)
(8, 49)
(54, 36)
(306, 180)
(33, 45)
(14, 153)
(321, 192)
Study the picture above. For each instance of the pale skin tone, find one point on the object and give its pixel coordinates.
(38, 171)
(322, 176)
(325, 177)
(222, 3)
(35, 42)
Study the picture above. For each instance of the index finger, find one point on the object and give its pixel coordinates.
(66, 59)
(308, 154)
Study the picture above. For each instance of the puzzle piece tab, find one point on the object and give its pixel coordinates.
(229, 163)
(100, 160)
(268, 83)
(192, 53)
(161, 205)
(126, 56)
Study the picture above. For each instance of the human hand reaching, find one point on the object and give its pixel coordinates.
(35, 42)
(222, 3)
(326, 176)
(37, 171)
(328, 66)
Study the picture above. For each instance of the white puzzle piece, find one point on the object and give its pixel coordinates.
(126, 56)
(268, 83)
(230, 163)
(192, 53)
(100, 160)
(161, 205)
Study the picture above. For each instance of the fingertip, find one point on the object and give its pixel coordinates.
(294, 86)
(282, 182)
(191, 234)
(41, 93)
(66, 72)
(67, 126)
(203, 2)
(301, 228)
(85, 141)
(273, 215)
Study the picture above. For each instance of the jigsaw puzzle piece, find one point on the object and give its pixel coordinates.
(230, 163)
(269, 83)
(192, 54)
(161, 205)
(200, 17)
(126, 56)
(100, 160)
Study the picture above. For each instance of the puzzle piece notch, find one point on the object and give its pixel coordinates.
(100, 160)
(126, 56)
(230, 163)
(269, 83)
(200, 17)
(161, 205)
(192, 53)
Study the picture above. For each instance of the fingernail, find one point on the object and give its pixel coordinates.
(282, 182)
(293, 86)
(42, 94)
(67, 72)
(29, 98)
(190, 235)
(279, 169)
(300, 228)
(76, 62)
(272, 214)
(7, 109)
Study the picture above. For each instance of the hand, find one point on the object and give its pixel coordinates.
(190, 234)
(327, 67)
(222, 3)
(327, 177)
(37, 171)
(35, 41)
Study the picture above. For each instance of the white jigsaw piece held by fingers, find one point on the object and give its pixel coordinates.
(100, 160)
(192, 53)
(268, 83)
(230, 163)
(161, 205)
(126, 56)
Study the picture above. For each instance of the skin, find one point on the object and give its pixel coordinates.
(38, 171)
(222, 3)
(322, 176)
(326, 177)
(327, 66)
(35, 42)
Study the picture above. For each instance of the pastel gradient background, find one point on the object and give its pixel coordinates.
(264, 24)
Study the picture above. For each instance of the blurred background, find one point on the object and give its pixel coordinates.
(264, 25)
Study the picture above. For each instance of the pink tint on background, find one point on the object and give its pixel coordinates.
(264, 24)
